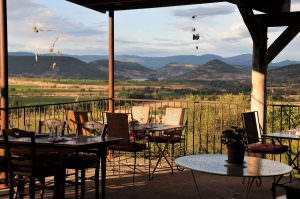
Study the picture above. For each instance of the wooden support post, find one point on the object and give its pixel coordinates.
(259, 66)
(3, 65)
(259, 77)
(4, 73)
(111, 52)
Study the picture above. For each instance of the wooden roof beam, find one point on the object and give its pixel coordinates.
(279, 19)
(281, 42)
(267, 6)
(103, 6)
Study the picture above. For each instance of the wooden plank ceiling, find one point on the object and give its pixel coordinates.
(267, 6)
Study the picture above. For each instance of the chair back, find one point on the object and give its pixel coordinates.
(140, 114)
(50, 125)
(95, 127)
(251, 126)
(75, 121)
(21, 158)
(174, 116)
(117, 125)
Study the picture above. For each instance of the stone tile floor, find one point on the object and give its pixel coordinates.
(165, 185)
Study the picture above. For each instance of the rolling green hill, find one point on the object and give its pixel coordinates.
(123, 70)
(68, 67)
(290, 73)
(214, 70)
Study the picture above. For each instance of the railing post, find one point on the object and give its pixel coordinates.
(111, 53)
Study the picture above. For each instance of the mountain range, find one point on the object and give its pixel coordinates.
(243, 60)
(26, 65)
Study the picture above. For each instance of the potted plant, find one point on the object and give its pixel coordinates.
(236, 141)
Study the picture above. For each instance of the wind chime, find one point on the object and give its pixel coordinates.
(52, 49)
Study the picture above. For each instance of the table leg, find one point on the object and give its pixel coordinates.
(194, 178)
(250, 181)
(161, 154)
(59, 190)
(103, 171)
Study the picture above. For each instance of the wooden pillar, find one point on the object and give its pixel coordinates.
(3, 65)
(4, 73)
(259, 76)
(111, 60)
(258, 33)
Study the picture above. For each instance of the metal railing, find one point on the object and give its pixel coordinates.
(28, 117)
(205, 119)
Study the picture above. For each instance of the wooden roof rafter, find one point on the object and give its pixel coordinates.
(279, 19)
(267, 6)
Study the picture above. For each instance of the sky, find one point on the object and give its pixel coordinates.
(146, 32)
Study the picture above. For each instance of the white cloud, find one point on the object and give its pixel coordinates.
(295, 5)
(205, 11)
(235, 33)
(23, 15)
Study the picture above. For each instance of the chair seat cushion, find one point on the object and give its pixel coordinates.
(165, 139)
(139, 135)
(130, 147)
(267, 148)
(82, 160)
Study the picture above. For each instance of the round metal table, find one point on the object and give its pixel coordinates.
(253, 168)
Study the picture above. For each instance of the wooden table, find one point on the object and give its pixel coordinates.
(253, 169)
(76, 144)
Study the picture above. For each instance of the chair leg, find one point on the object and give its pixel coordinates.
(42, 181)
(82, 183)
(149, 174)
(76, 183)
(11, 186)
(172, 153)
(97, 181)
(119, 163)
(32, 188)
(134, 166)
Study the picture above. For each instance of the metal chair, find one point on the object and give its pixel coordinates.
(256, 144)
(174, 116)
(25, 160)
(117, 125)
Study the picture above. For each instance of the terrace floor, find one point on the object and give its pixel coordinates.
(164, 185)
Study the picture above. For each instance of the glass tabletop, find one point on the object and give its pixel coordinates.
(155, 127)
(283, 135)
(217, 164)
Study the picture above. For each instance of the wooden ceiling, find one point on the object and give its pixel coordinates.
(267, 6)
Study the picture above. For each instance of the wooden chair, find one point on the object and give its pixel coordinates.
(3, 170)
(76, 119)
(139, 115)
(256, 144)
(25, 160)
(85, 160)
(117, 126)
